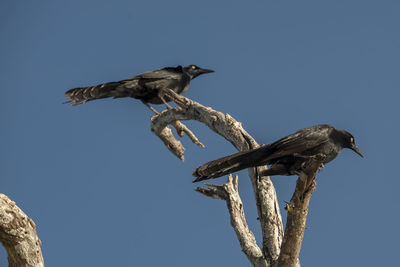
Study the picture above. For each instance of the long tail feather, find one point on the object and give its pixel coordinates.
(84, 94)
(232, 163)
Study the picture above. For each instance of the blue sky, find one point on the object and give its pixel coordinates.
(104, 191)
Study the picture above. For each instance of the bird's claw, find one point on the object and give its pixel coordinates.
(321, 167)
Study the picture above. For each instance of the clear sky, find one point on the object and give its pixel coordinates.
(104, 191)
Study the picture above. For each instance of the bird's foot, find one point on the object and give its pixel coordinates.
(321, 167)
(320, 157)
(152, 118)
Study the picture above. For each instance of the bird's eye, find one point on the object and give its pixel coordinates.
(193, 67)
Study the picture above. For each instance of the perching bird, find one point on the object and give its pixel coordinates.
(285, 156)
(146, 86)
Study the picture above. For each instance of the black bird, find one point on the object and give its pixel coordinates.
(285, 156)
(146, 86)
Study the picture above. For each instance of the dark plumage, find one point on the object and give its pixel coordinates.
(286, 156)
(146, 86)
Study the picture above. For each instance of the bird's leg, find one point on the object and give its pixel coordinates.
(309, 169)
(321, 158)
(165, 103)
(179, 127)
(308, 160)
(161, 96)
(150, 107)
(321, 167)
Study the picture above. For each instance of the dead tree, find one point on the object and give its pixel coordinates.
(279, 247)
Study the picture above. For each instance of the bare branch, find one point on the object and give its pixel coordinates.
(175, 146)
(297, 213)
(213, 191)
(268, 212)
(165, 134)
(18, 236)
(229, 193)
(231, 130)
(181, 129)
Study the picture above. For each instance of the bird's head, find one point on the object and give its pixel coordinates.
(193, 71)
(347, 141)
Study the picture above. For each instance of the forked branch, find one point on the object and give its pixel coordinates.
(278, 249)
(231, 130)
(229, 192)
(18, 232)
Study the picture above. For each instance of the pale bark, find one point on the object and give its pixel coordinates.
(18, 232)
(18, 236)
(297, 214)
(224, 125)
(229, 192)
(279, 249)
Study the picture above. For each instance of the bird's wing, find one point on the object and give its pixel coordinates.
(300, 141)
(140, 85)
(165, 73)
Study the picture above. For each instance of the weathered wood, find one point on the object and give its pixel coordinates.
(18, 231)
(18, 236)
(297, 214)
(229, 193)
(231, 130)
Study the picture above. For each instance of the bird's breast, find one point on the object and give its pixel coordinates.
(331, 151)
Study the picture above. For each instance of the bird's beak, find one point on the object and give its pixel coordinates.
(355, 149)
(202, 71)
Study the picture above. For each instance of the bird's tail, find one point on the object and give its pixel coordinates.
(84, 94)
(232, 163)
